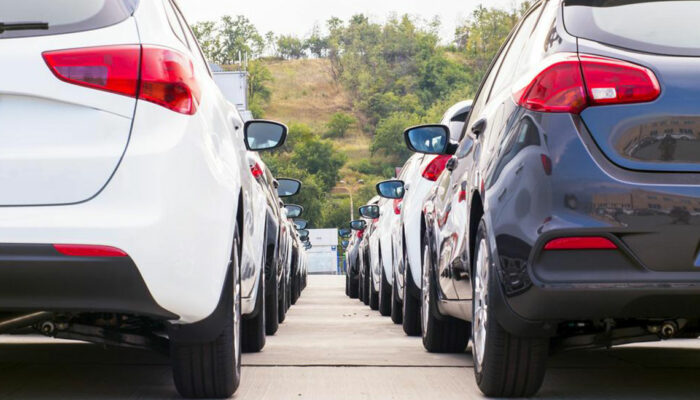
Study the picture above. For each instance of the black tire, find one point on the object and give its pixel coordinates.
(384, 296)
(509, 366)
(353, 287)
(213, 369)
(272, 303)
(282, 303)
(441, 333)
(347, 285)
(396, 304)
(411, 307)
(295, 290)
(373, 295)
(366, 285)
(253, 329)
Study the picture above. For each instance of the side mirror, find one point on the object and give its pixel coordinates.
(345, 244)
(344, 233)
(288, 187)
(430, 139)
(392, 189)
(301, 223)
(303, 235)
(308, 246)
(369, 211)
(263, 135)
(358, 225)
(293, 210)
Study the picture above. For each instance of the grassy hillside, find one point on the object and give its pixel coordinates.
(304, 91)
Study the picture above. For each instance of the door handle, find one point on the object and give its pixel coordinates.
(479, 127)
(452, 164)
(520, 169)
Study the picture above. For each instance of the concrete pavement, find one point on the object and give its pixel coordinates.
(332, 347)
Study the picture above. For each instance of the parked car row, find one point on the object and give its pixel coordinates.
(135, 210)
(558, 210)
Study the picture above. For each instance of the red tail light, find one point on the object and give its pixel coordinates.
(166, 76)
(360, 234)
(546, 164)
(256, 170)
(434, 169)
(87, 250)
(581, 243)
(569, 83)
(397, 206)
(167, 79)
(113, 68)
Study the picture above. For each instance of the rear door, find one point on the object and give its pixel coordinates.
(663, 37)
(59, 142)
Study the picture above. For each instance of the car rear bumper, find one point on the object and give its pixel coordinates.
(36, 277)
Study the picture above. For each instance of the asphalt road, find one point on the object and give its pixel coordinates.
(332, 347)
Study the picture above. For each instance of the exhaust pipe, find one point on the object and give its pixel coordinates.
(24, 321)
(668, 330)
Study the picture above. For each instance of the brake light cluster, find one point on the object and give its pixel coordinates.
(156, 74)
(256, 170)
(434, 169)
(88, 250)
(397, 206)
(569, 83)
(581, 243)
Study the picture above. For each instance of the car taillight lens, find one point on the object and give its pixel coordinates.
(156, 74)
(88, 250)
(568, 83)
(611, 81)
(434, 169)
(111, 68)
(256, 170)
(397, 206)
(581, 243)
(167, 79)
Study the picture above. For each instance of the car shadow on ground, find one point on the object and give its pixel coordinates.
(84, 371)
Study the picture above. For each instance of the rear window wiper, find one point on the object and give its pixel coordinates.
(23, 26)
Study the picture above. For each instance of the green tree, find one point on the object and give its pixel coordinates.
(259, 94)
(389, 137)
(319, 157)
(338, 125)
(290, 47)
(207, 35)
(239, 39)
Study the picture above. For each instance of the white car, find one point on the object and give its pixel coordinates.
(419, 175)
(127, 206)
(384, 252)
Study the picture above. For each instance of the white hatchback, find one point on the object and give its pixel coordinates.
(126, 206)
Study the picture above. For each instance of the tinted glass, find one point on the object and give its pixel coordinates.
(429, 139)
(344, 233)
(661, 27)
(358, 225)
(262, 135)
(510, 62)
(370, 211)
(63, 16)
(293, 211)
(288, 187)
(300, 224)
(391, 189)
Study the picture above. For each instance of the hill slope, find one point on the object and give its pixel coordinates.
(304, 91)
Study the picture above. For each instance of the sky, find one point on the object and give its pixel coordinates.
(299, 16)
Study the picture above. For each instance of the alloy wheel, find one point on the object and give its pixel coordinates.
(425, 289)
(480, 317)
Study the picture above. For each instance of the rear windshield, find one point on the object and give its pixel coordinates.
(660, 27)
(62, 16)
